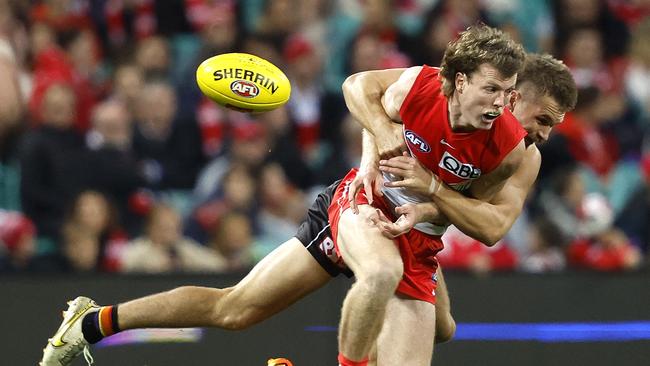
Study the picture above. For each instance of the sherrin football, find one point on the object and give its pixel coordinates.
(243, 82)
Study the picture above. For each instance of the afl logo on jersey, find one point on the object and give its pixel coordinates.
(418, 141)
(244, 88)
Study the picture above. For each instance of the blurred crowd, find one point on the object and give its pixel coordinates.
(111, 160)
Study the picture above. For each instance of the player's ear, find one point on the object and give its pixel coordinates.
(460, 80)
(514, 98)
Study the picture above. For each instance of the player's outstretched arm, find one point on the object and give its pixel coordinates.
(489, 221)
(485, 220)
(374, 99)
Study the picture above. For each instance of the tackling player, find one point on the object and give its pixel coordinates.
(284, 276)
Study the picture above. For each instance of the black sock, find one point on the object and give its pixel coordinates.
(90, 325)
(90, 328)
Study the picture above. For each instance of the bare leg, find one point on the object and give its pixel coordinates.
(407, 336)
(378, 267)
(372, 357)
(445, 323)
(444, 329)
(284, 276)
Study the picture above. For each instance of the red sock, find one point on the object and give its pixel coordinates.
(343, 361)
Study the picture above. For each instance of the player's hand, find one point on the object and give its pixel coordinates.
(409, 216)
(414, 176)
(370, 179)
(390, 141)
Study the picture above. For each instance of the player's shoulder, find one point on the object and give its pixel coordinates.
(533, 156)
(415, 79)
(408, 77)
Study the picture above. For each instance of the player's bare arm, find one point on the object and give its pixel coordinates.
(486, 221)
(368, 176)
(486, 186)
(374, 99)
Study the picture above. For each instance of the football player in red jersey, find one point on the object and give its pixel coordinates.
(544, 93)
(455, 122)
(285, 276)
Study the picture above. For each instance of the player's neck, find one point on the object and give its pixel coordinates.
(455, 116)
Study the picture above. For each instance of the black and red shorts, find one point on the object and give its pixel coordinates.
(417, 249)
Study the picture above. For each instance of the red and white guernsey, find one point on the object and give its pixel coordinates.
(457, 158)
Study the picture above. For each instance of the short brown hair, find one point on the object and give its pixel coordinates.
(477, 45)
(547, 75)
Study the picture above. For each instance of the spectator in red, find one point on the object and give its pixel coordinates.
(304, 68)
(17, 242)
(587, 143)
(597, 148)
(464, 253)
(608, 251)
(62, 15)
(585, 55)
(76, 64)
(249, 146)
(601, 246)
(631, 12)
(236, 192)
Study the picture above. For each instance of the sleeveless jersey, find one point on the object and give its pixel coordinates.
(456, 158)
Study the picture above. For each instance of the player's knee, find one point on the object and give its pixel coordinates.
(446, 329)
(235, 321)
(225, 314)
(230, 313)
(242, 318)
(382, 275)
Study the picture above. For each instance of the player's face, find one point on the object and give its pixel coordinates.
(482, 96)
(537, 115)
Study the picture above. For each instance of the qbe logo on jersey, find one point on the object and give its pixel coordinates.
(244, 88)
(461, 170)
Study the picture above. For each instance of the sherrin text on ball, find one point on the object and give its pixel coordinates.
(243, 82)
